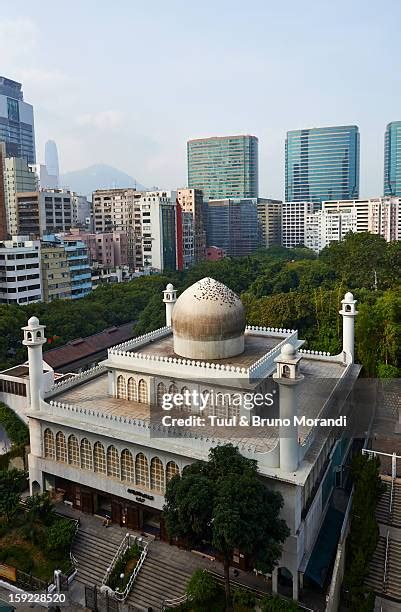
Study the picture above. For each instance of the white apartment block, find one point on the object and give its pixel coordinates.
(155, 230)
(18, 177)
(20, 278)
(338, 218)
(294, 215)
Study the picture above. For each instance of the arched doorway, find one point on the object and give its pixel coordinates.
(35, 487)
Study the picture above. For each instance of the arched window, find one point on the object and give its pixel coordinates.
(186, 403)
(141, 470)
(49, 444)
(286, 371)
(161, 391)
(113, 462)
(99, 458)
(156, 475)
(132, 389)
(121, 387)
(142, 392)
(173, 389)
(86, 455)
(127, 466)
(61, 447)
(73, 451)
(171, 470)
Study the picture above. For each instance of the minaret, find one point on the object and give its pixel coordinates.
(348, 313)
(34, 338)
(170, 298)
(288, 377)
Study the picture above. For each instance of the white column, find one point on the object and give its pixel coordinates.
(34, 338)
(169, 298)
(348, 313)
(289, 447)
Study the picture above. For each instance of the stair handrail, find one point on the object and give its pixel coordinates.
(391, 498)
(122, 596)
(386, 561)
(175, 601)
(123, 545)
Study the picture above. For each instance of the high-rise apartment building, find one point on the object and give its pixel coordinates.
(392, 159)
(3, 193)
(191, 201)
(78, 262)
(44, 212)
(233, 226)
(224, 166)
(293, 227)
(51, 161)
(55, 269)
(20, 279)
(149, 220)
(18, 178)
(269, 215)
(322, 164)
(16, 121)
(155, 230)
(336, 219)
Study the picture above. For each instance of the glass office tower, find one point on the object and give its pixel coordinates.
(16, 122)
(392, 159)
(224, 167)
(322, 164)
(233, 226)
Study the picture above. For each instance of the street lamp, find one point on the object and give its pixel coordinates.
(122, 581)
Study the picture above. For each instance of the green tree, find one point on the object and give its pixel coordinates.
(202, 590)
(224, 503)
(11, 485)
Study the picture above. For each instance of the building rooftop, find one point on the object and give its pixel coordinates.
(81, 348)
(320, 379)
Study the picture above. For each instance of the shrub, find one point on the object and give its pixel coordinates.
(244, 599)
(114, 581)
(59, 537)
(274, 603)
(17, 557)
(202, 588)
(40, 508)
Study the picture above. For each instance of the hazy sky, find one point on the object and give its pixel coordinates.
(128, 82)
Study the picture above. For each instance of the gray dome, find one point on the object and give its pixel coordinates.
(208, 321)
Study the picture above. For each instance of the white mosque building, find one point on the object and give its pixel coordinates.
(98, 441)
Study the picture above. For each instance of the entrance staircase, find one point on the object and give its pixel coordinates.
(164, 575)
(93, 553)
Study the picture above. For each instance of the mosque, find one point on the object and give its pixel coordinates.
(98, 441)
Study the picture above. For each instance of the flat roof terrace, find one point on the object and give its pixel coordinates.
(255, 347)
(320, 380)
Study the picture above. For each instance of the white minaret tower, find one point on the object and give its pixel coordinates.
(34, 338)
(348, 313)
(170, 298)
(288, 377)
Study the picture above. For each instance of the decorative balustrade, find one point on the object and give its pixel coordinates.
(139, 341)
(75, 379)
(263, 365)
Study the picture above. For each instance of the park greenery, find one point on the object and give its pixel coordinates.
(33, 539)
(289, 288)
(364, 532)
(204, 592)
(224, 505)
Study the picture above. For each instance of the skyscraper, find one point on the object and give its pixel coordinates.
(51, 160)
(16, 121)
(233, 226)
(392, 159)
(322, 164)
(224, 167)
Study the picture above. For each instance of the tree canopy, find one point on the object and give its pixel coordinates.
(291, 288)
(224, 503)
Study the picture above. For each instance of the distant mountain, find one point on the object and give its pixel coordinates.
(98, 176)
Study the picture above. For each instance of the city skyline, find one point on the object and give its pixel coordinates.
(98, 119)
